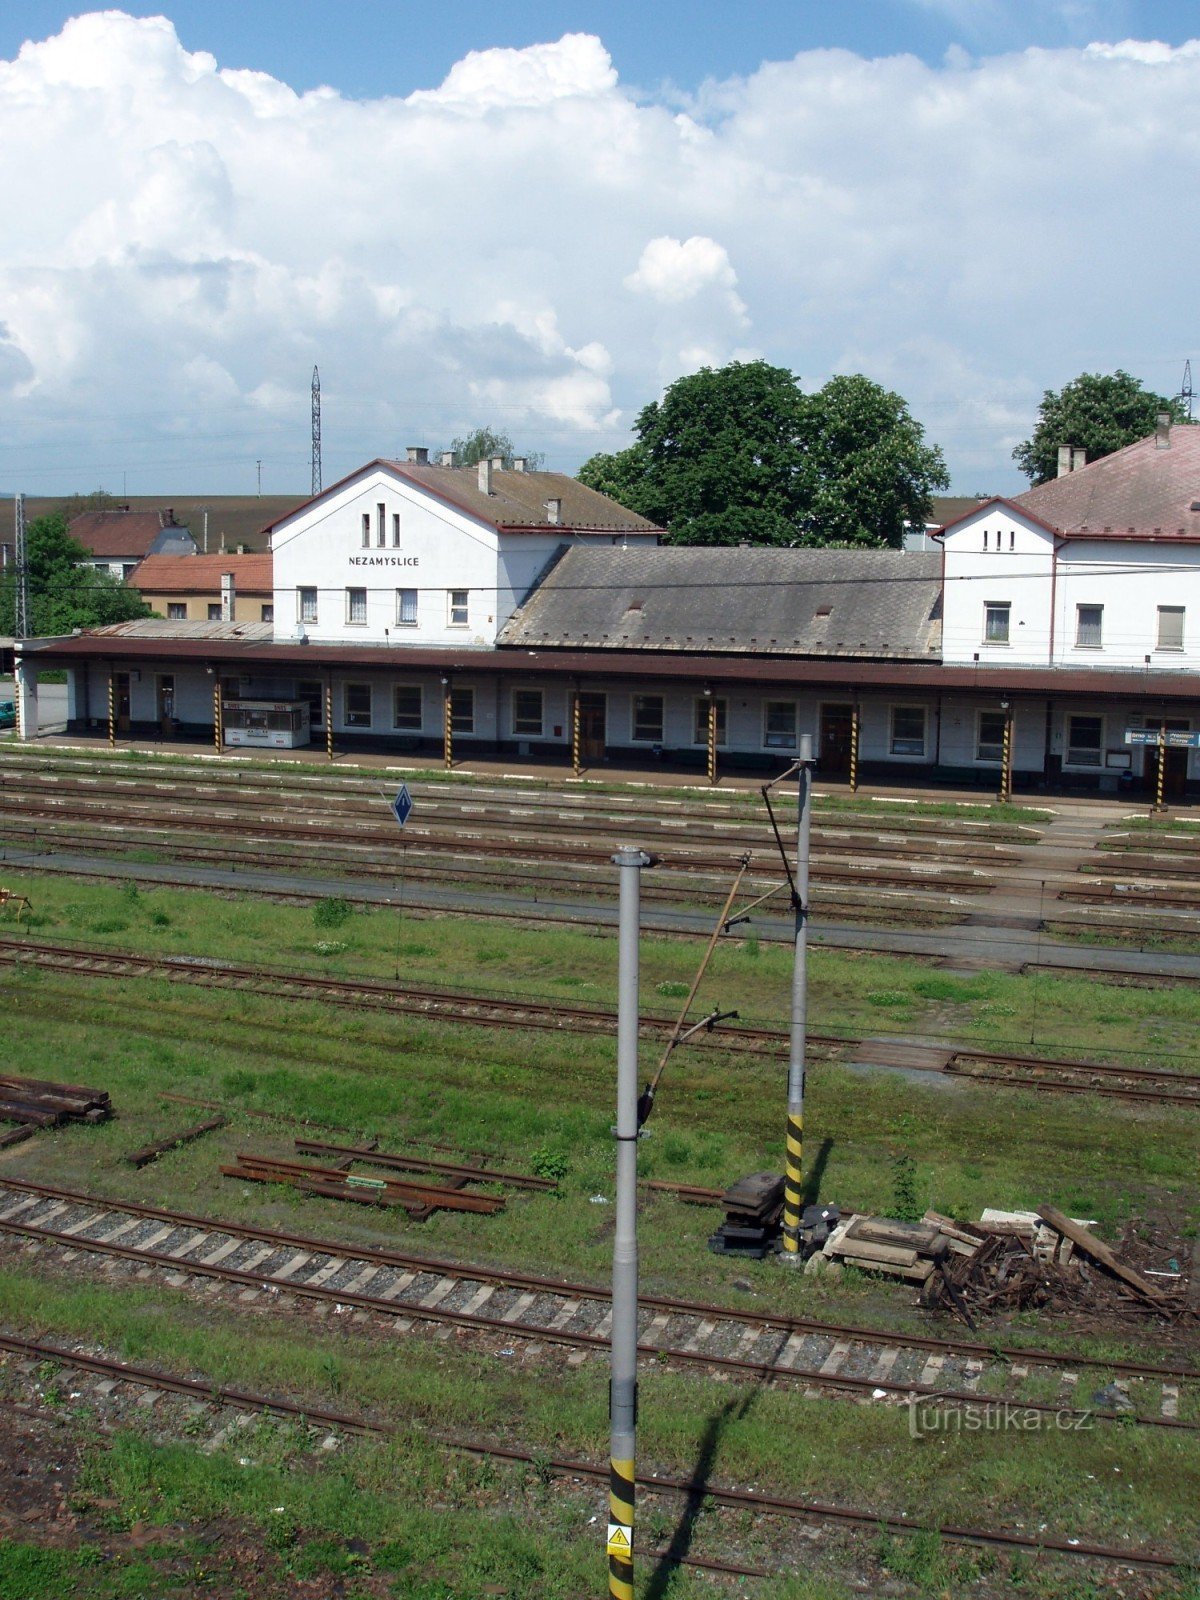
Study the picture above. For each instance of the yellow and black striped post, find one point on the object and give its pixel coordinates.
(329, 718)
(620, 1529)
(112, 712)
(793, 1170)
(576, 746)
(712, 738)
(1160, 787)
(447, 724)
(854, 724)
(1006, 757)
(218, 727)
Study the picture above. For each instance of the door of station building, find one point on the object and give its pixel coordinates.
(593, 726)
(837, 724)
(1176, 764)
(165, 701)
(121, 700)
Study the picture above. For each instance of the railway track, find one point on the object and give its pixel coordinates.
(1141, 1084)
(406, 1288)
(109, 1375)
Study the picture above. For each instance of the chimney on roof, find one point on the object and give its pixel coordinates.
(554, 512)
(447, 458)
(1162, 431)
(228, 596)
(418, 454)
(520, 463)
(1064, 460)
(497, 463)
(485, 476)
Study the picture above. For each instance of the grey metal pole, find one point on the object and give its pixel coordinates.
(622, 1403)
(792, 1201)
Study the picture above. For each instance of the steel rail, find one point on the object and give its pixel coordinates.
(742, 1366)
(1180, 1088)
(725, 1496)
(517, 1279)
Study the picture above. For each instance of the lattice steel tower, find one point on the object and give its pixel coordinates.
(1185, 393)
(316, 432)
(21, 562)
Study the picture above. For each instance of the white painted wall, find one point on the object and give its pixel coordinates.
(1130, 580)
(1016, 566)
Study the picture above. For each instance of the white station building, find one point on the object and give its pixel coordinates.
(430, 607)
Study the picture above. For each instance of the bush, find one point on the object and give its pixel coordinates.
(331, 913)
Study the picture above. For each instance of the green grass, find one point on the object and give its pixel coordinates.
(1106, 1484)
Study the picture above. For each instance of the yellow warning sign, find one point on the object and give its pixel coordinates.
(620, 1539)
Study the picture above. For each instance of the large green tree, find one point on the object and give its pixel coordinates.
(63, 594)
(1098, 412)
(739, 454)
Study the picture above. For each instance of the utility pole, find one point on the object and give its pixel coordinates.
(622, 1392)
(21, 627)
(792, 1201)
(316, 433)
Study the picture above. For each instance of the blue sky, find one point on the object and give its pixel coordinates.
(368, 48)
(538, 217)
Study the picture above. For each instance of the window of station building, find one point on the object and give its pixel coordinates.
(989, 736)
(395, 530)
(997, 615)
(907, 731)
(462, 711)
(366, 530)
(406, 608)
(527, 714)
(177, 610)
(381, 524)
(356, 606)
(700, 719)
(407, 707)
(1170, 628)
(779, 725)
(357, 705)
(306, 605)
(268, 613)
(457, 607)
(214, 611)
(313, 694)
(647, 718)
(1089, 624)
(1085, 741)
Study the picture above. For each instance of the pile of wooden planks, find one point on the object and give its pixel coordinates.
(909, 1250)
(420, 1200)
(33, 1103)
(753, 1206)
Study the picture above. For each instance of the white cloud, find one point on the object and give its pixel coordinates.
(531, 246)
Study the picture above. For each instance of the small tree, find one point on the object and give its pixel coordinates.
(63, 594)
(1097, 412)
(485, 442)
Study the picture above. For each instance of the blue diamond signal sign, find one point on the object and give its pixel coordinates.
(402, 805)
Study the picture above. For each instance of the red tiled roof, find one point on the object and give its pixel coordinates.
(1146, 491)
(119, 533)
(198, 575)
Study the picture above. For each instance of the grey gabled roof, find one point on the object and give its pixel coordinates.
(866, 603)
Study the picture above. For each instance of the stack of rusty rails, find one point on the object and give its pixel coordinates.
(405, 1163)
(32, 1104)
(420, 1200)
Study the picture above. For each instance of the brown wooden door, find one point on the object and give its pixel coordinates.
(593, 726)
(837, 722)
(166, 701)
(121, 700)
